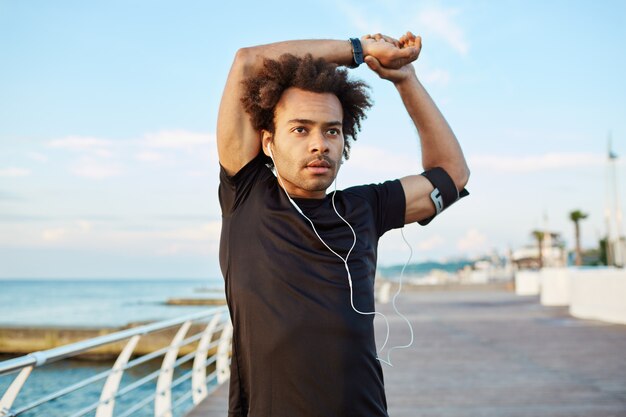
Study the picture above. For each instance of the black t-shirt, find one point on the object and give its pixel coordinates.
(299, 349)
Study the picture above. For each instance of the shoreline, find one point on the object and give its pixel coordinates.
(28, 339)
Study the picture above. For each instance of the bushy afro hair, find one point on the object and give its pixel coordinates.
(263, 91)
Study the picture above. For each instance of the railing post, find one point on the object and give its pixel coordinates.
(163, 398)
(198, 378)
(14, 389)
(223, 349)
(107, 397)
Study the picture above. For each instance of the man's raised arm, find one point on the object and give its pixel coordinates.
(237, 141)
(440, 147)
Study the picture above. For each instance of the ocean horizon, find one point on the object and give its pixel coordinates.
(75, 302)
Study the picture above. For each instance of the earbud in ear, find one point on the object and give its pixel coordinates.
(269, 150)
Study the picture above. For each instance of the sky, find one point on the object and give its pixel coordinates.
(108, 164)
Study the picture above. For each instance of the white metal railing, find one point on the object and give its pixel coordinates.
(216, 337)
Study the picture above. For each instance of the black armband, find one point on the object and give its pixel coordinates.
(445, 193)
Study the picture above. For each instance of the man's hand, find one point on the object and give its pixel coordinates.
(439, 145)
(391, 58)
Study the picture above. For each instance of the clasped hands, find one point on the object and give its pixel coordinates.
(391, 58)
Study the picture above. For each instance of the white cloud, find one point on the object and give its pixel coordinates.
(194, 150)
(200, 173)
(202, 240)
(171, 249)
(203, 232)
(178, 139)
(90, 168)
(53, 235)
(103, 153)
(162, 148)
(473, 242)
(91, 146)
(36, 156)
(79, 143)
(14, 172)
(435, 76)
(431, 21)
(67, 234)
(431, 243)
(355, 15)
(206, 231)
(149, 156)
(94, 149)
(380, 160)
(533, 163)
(441, 22)
(84, 226)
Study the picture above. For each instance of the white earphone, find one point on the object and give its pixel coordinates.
(345, 262)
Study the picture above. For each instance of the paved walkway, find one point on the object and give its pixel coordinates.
(495, 354)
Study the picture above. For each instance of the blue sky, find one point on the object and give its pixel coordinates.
(108, 165)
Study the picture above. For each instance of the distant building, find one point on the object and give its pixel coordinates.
(553, 253)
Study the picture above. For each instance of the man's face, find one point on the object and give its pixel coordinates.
(307, 145)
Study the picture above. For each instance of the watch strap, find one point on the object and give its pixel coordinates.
(357, 52)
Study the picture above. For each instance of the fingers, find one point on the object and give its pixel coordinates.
(404, 56)
(409, 39)
(393, 53)
(383, 38)
(393, 75)
(406, 40)
(375, 66)
(390, 40)
(410, 52)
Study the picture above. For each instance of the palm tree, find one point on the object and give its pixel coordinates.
(576, 216)
(539, 235)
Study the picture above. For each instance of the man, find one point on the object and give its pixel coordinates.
(299, 279)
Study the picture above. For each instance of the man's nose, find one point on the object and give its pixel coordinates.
(319, 143)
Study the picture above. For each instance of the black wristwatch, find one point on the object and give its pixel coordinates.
(357, 52)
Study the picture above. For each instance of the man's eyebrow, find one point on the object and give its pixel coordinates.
(312, 122)
(334, 123)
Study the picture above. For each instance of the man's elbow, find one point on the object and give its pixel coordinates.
(461, 178)
(246, 60)
(242, 54)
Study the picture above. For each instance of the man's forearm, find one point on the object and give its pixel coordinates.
(438, 142)
(337, 51)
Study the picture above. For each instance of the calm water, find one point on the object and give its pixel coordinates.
(50, 378)
(92, 303)
(97, 303)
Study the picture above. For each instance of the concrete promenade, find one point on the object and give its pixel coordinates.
(494, 354)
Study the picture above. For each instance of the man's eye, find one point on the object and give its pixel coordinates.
(333, 132)
(299, 130)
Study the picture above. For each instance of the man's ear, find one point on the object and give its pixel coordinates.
(266, 139)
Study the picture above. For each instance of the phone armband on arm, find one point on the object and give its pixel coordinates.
(445, 193)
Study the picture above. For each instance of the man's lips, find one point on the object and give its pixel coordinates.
(319, 166)
(319, 163)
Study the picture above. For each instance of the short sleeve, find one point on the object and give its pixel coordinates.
(387, 201)
(233, 190)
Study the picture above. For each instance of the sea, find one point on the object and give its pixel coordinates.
(89, 303)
